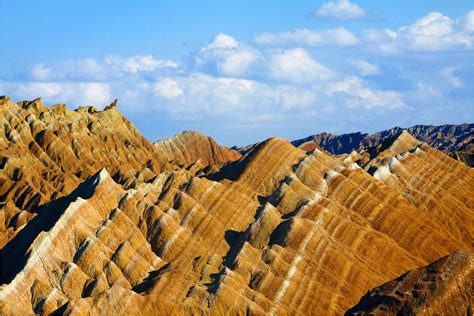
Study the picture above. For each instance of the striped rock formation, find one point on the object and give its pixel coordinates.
(277, 231)
(47, 152)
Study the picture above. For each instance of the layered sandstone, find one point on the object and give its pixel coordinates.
(279, 230)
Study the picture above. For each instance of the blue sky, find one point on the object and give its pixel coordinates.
(243, 71)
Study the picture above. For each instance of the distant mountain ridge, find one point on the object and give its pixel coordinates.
(455, 139)
(448, 137)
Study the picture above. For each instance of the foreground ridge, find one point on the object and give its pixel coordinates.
(443, 287)
(124, 227)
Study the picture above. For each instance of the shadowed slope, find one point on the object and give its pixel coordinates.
(15, 254)
(84, 245)
(444, 287)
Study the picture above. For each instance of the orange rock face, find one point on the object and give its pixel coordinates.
(189, 147)
(125, 227)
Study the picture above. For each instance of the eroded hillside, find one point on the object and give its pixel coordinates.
(96, 219)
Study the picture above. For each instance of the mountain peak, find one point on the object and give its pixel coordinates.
(404, 142)
(112, 105)
(187, 147)
(396, 145)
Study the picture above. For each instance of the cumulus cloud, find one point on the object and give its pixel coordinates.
(168, 88)
(237, 63)
(305, 37)
(365, 68)
(230, 57)
(342, 10)
(222, 41)
(431, 33)
(434, 32)
(297, 66)
(356, 93)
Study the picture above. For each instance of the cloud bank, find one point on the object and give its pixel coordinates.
(331, 77)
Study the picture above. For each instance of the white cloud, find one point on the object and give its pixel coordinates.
(380, 35)
(431, 33)
(230, 57)
(342, 10)
(297, 66)
(222, 41)
(237, 63)
(168, 88)
(205, 96)
(356, 93)
(305, 37)
(365, 68)
(340, 37)
(139, 63)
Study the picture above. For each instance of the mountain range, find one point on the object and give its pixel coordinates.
(96, 219)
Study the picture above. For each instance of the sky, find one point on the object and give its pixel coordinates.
(244, 71)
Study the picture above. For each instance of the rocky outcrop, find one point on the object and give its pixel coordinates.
(190, 146)
(444, 287)
(279, 230)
